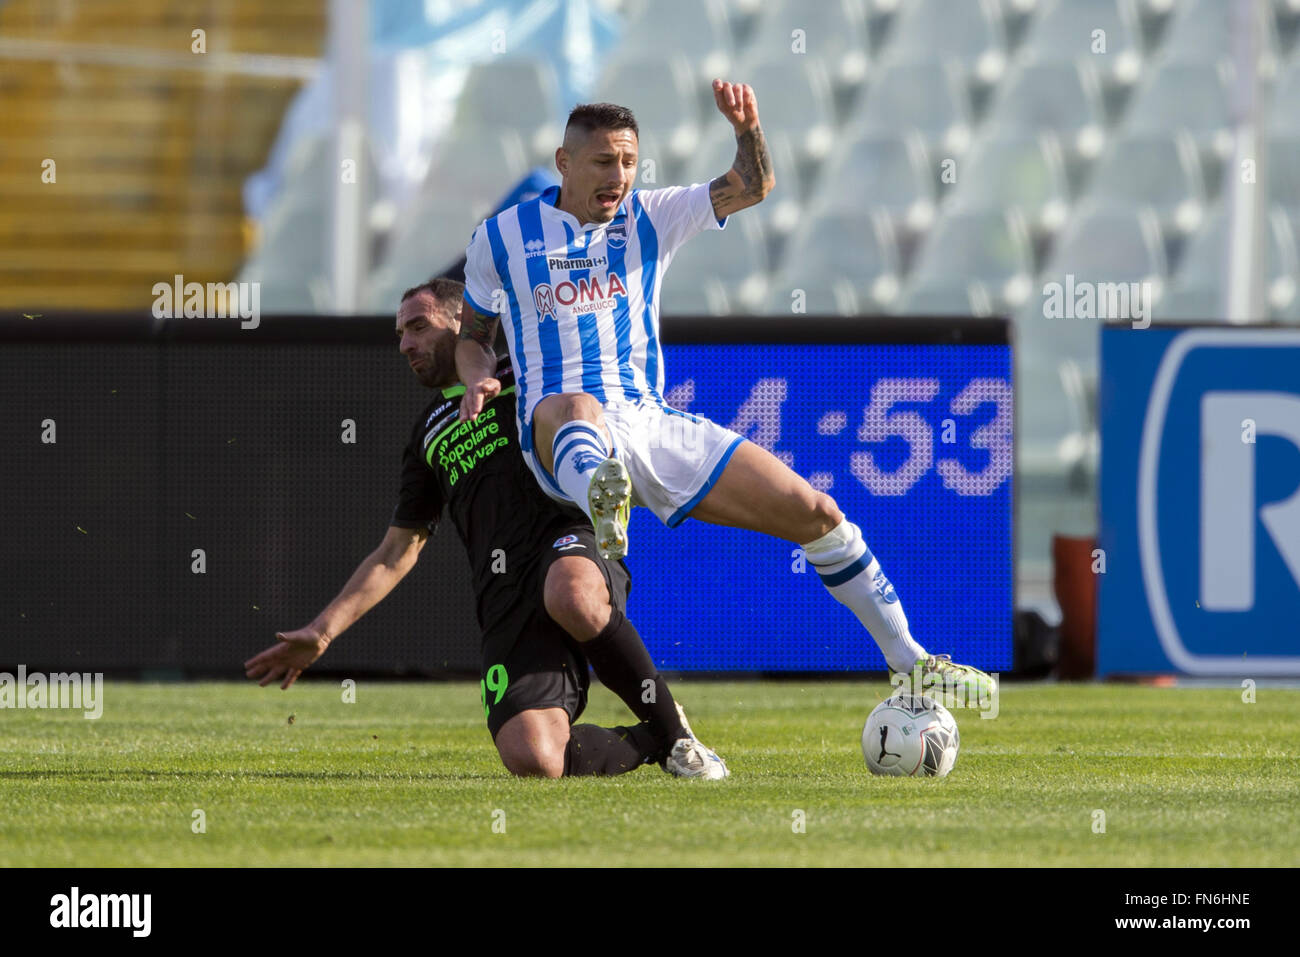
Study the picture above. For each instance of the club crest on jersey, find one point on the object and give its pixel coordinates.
(884, 588)
(544, 302)
(616, 235)
(534, 248)
(568, 541)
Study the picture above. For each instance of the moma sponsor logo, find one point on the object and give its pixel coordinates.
(74, 909)
(585, 295)
(58, 690)
(215, 300)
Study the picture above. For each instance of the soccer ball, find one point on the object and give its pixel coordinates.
(910, 736)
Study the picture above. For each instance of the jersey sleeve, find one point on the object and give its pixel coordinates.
(678, 213)
(419, 499)
(481, 279)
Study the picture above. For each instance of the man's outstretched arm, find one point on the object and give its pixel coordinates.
(750, 178)
(476, 361)
(376, 576)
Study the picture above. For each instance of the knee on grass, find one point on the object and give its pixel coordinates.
(534, 763)
(532, 744)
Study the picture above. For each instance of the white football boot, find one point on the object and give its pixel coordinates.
(691, 759)
(609, 500)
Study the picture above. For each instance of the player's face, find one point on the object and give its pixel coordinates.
(598, 170)
(427, 331)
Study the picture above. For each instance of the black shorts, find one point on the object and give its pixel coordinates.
(529, 661)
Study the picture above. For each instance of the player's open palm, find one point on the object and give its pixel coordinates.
(477, 396)
(288, 658)
(737, 102)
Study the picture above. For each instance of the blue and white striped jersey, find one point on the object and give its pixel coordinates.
(580, 303)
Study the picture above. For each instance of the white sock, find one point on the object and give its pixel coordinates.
(851, 573)
(578, 449)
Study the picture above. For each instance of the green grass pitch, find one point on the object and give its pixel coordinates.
(407, 776)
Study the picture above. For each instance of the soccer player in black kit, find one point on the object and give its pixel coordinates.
(547, 603)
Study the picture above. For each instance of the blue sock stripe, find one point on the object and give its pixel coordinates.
(564, 432)
(840, 577)
(579, 443)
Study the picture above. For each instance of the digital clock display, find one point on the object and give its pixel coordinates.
(914, 443)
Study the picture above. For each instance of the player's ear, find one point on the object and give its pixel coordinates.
(562, 160)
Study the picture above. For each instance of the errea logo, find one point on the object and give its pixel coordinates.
(534, 248)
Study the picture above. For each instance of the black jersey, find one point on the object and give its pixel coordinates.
(476, 471)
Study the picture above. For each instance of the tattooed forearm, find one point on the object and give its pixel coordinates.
(482, 329)
(753, 162)
(750, 177)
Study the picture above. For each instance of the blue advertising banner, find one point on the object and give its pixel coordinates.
(1200, 501)
(914, 442)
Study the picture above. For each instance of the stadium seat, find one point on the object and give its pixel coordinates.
(1064, 30)
(835, 297)
(699, 30)
(1196, 289)
(1055, 430)
(1201, 30)
(834, 31)
(662, 93)
(657, 165)
(795, 99)
(1100, 245)
(838, 248)
(473, 170)
(1285, 117)
(718, 152)
(1063, 97)
(988, 246)
(788, 203)
(291, 258)
(944, 296)
(925, 95)
(969, 32)
(1159, 170)
(884, 172)
(512, 93)
(1016, 170)
(1283, 170)
(1284, 286)
(723, 271)
(1106, 243)
(1178, 95)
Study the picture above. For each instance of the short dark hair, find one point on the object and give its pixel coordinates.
(440, 287)
(590, 117)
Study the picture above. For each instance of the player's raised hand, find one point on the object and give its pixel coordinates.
(737, 102)
(288, 658)
(478, 395)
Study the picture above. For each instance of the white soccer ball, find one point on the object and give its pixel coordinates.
(910, 736)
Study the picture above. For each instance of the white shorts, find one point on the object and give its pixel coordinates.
(672, 457)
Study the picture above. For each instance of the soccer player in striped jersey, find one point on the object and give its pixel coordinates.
(575, 276)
